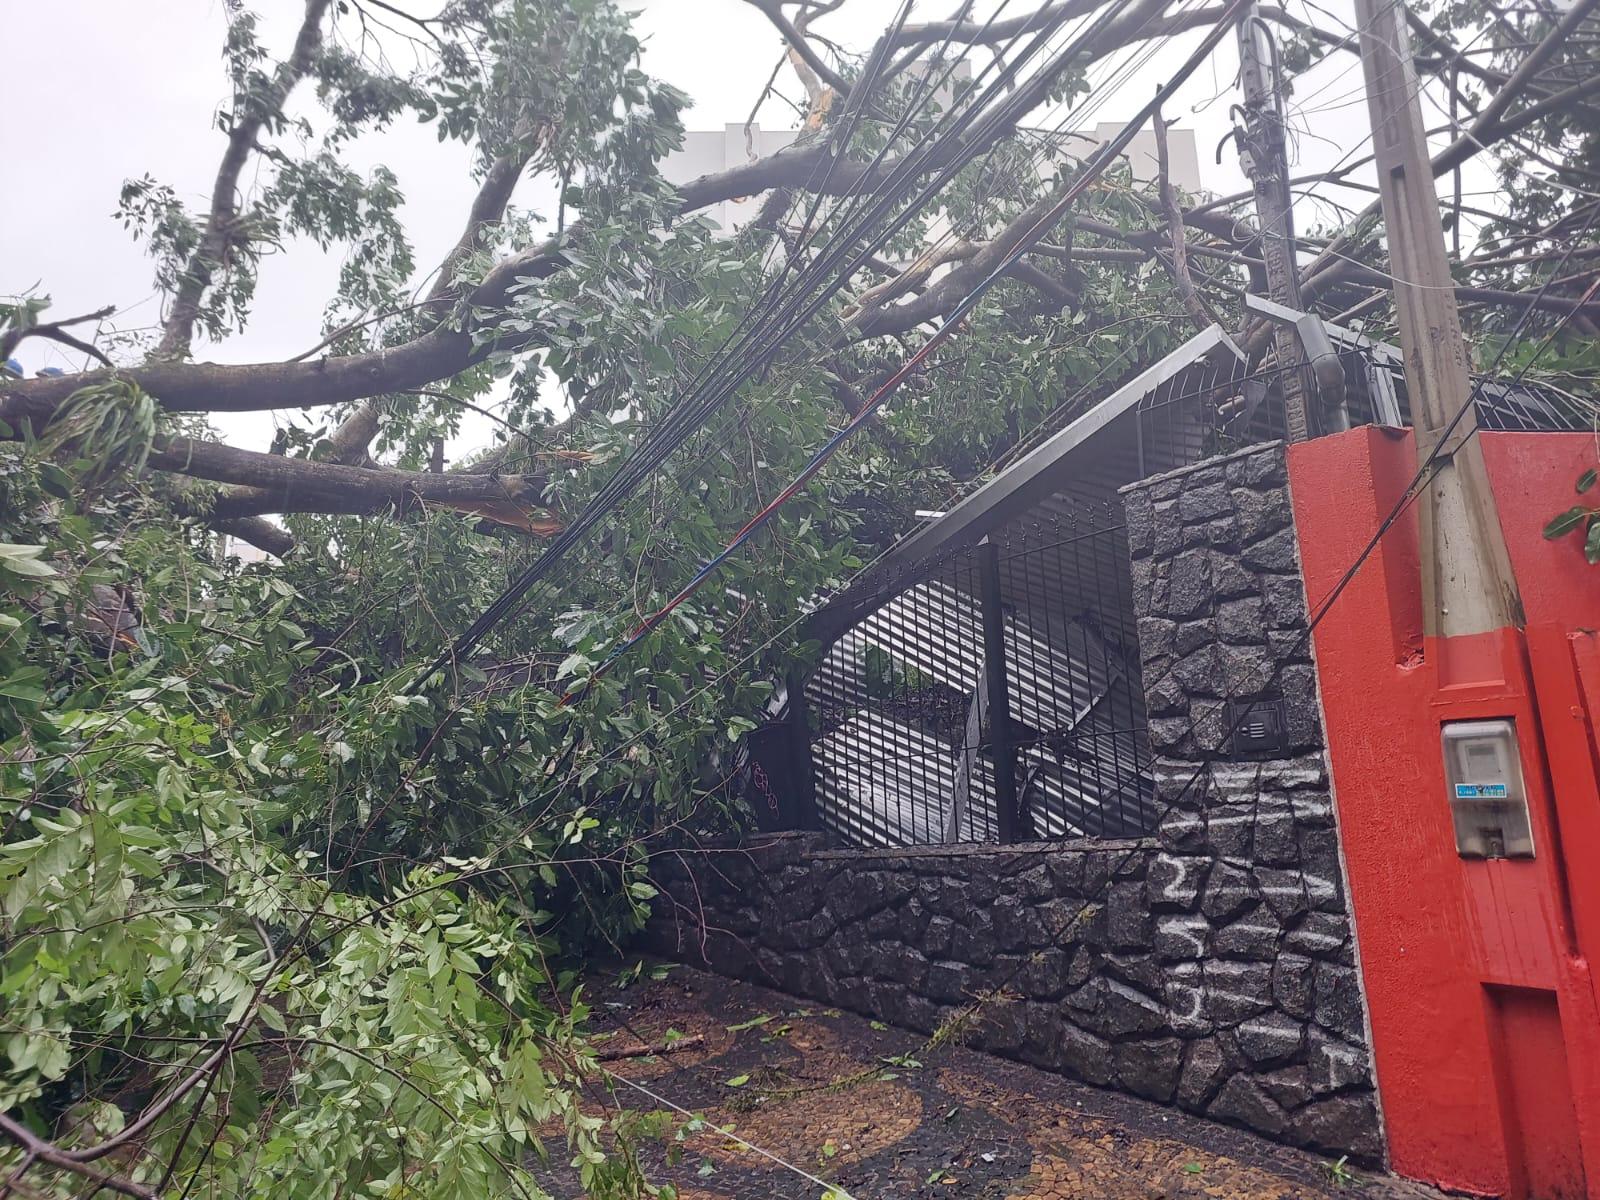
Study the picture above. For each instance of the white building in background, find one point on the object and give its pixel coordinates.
(1183, 157)
(706, 152)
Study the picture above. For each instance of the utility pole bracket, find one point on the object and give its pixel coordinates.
(1318, 348)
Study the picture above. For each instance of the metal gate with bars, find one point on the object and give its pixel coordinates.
(993, 696)
(990, 691)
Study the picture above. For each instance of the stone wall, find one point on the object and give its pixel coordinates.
(1210, 966)
(1247, 892)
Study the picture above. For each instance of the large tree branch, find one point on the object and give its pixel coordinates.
(445, 351)
(974, 33)
(441, 352)
(1490, 126)
(942, 296)
(1199, 311)
(351, 439)
(259, 532)
(280, 484)
(177, 331)
(36, 1150)
(801, 46)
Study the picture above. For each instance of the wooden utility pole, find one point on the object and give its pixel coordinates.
(1467, 585)
(1265, 161)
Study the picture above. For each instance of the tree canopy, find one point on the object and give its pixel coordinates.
(281, 914)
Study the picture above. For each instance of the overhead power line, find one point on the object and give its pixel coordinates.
(946, 153)
(1097, 163)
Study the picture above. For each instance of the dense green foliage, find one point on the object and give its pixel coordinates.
(338, 924)
(277, 915)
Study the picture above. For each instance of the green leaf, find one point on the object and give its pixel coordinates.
(55, 481)
(1565, 523)
(753, 1023)
(24, 560)
(1587, 480)
(1591, 541)
(737, 1081)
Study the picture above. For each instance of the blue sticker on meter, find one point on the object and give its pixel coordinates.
(1480, 791)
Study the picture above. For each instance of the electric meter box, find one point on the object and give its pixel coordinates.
(1488, 802)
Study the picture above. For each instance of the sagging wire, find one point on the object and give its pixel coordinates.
(678, 427)
(948, 326)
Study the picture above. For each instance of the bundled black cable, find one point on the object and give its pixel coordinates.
(769, 332)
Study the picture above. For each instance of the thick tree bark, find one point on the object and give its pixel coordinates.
(281, 484)
(259, 532)
(177, 331)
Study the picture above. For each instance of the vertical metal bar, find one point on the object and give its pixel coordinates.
(1002, 750)
(800, 743)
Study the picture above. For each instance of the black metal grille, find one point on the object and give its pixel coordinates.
(920, 733)
(992, 693)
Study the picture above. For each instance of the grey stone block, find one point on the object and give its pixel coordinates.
(1155, 637)
(1230, 578)
(1139, 518)
(1127, 1011)
(1083, 1054)
(1270, 1040)
(1174, 881)
(1259, 513)
(1229, 891)
(1149, 1068)
(1247, 671)
(1341, 1124)
(1189, 590)
(1200, 502)
(1244, 1102)
(1128, 922)
(1276, 553)
(1336, 1066)
(1283, 602)
(1321, 935)
(947, 983)
(1182, 937)
(1184, 989)
(1293, 979)
(1205, 1068)
(1242, 622)
(1337, 994)
(1199, 672)
(1230, 829)
(1263, 468)
(1283, 890)
(1253, 936)
(1276, 843)
(1236, 991)
(1192, 635)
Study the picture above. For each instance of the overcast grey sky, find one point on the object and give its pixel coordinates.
(103, 91)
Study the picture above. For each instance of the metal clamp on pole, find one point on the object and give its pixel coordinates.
(1326, 368)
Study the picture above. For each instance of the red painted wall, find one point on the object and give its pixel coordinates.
(1485, 1031)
